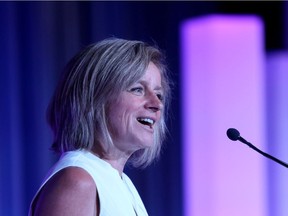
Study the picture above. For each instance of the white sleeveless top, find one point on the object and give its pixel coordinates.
(118, 196)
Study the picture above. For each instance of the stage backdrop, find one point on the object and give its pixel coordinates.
(36, 41)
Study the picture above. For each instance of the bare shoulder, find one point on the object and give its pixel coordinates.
(71, 191)
(74, 178)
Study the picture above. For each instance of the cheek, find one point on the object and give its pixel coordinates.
(120, 115)
(124, 106)
(122, 111)
(118, 110)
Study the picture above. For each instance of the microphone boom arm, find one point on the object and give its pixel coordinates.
(263, 153)
(233, 134)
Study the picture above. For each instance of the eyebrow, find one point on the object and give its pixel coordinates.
(143, 82)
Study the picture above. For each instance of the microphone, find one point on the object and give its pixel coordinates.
(233, 134)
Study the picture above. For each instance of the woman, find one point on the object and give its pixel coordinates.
(108, 110)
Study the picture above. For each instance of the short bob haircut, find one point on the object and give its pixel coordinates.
(97, 74)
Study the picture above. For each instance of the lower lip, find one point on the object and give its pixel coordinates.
(147, 127)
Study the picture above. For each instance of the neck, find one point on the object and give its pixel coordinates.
(116, 159)
(117, 164)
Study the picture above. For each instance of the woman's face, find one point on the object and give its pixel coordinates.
(134, 115)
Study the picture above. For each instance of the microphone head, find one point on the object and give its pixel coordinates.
(233, 134)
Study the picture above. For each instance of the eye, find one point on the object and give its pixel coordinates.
(137, 90)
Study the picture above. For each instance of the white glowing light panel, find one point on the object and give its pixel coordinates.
(223, 87)
(277, 130)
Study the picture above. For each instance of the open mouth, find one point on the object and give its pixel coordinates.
(146, 121)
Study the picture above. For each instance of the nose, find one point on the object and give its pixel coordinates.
(153, 103)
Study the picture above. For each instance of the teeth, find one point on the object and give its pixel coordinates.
(146, 121)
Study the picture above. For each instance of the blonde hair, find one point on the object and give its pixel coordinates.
(77, 111)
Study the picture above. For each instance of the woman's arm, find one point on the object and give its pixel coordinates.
(71, 191)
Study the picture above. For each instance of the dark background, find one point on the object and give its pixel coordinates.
(36, 41)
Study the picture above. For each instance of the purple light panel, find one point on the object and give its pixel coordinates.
(223, 87)
(277, 127)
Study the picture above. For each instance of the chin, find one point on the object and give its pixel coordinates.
(142, 143)
(147, 145)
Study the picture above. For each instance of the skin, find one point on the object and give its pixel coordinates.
(72, 190)
(142, 99)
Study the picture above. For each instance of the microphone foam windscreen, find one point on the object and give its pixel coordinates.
(233, 134)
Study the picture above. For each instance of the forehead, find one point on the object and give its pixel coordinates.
(152, 75)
